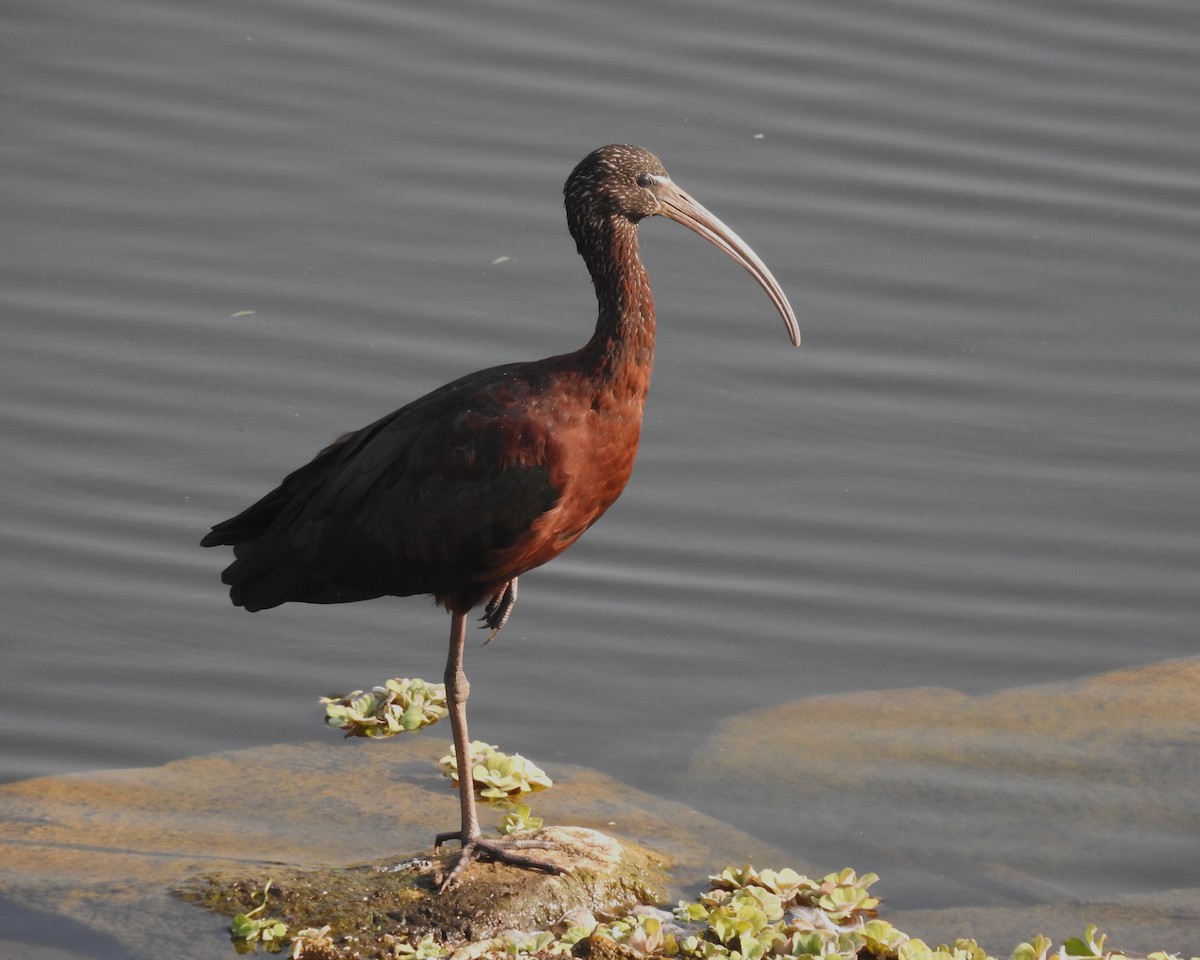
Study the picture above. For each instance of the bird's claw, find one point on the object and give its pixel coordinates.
(499, 850)
(500, 608)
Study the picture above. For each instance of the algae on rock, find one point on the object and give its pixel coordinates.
(371, 901)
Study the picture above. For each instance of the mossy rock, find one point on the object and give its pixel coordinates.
(374, 904)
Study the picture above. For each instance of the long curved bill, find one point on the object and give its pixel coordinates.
(682, 208)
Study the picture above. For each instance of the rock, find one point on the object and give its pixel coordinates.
(91, 857)
(370, 902)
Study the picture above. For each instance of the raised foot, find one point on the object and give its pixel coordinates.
(499, 849)
(499, 608)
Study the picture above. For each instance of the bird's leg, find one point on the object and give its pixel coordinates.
(500, 608)
(458, 688)
(474, 846)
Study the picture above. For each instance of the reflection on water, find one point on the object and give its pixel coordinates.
(236, 231)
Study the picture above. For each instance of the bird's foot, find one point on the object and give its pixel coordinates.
(499, 609)
(498, 849)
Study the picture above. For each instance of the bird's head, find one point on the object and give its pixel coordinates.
(624, 182)
(617, 180)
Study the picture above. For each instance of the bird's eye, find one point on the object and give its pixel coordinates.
(646, 180)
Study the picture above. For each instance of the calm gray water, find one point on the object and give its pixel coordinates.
(234, 230)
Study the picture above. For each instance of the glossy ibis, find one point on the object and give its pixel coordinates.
(459, 493)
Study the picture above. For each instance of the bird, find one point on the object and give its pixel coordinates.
(464, 490)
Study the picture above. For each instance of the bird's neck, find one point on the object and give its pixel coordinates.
(622, 348)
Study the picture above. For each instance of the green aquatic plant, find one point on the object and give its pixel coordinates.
(1036, 949)
(426, 949)
(400, 706)
(880, 938)
(840, 896)
(1091, 944)
(247, 928)
(518, 818)
(649, 932)
(497, 775)
(746, 922)
(316, 938)
(786, 884)
(962, 950)
(749, 914)
(844, 895)
(746, 914)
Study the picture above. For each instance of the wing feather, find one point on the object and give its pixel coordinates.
(414, 503)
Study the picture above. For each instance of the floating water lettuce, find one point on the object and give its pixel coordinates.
(400, 706)
(746, 914)
(840, 896)
(248, 928)
(497, 775)
(309, 941)
(518, 818)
